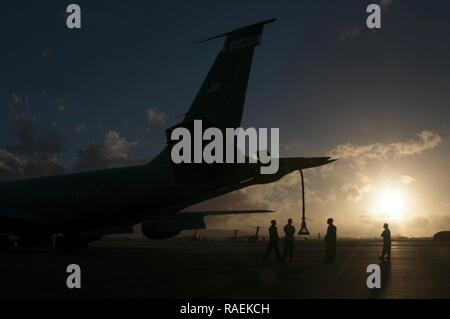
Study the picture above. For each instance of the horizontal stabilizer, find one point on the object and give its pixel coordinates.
(296, 163)
(239, 31)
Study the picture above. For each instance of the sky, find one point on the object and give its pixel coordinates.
(378, 100)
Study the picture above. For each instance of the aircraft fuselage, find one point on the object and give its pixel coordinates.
(115, 196)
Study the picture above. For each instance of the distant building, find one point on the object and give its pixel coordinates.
(442, 236)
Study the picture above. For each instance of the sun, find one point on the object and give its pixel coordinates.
(392, 204)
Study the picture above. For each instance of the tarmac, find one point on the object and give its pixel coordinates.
(224, 269)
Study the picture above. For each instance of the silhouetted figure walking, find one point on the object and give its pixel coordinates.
(289, 239)
(386, 234)
(273, 240)
(330, 240)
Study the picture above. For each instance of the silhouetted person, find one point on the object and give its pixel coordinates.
(386, 234)
(289, 239)
(273, 240)
(330, 240)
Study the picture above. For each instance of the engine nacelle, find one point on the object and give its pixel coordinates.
(169, 226)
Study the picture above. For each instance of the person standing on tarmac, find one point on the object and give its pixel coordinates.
(386, 234)
(330, 240)
(273, 240)
(289, 240)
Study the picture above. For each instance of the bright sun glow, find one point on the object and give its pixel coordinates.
(392, 204)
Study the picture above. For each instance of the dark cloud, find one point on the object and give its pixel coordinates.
(348, 33)
(386, 4)
(34, 154)
(13, 167)
(80, 128)
(37, 151)
(156, 119)
(113, 152)
(30, 140)
(25, 126)
(10, 166)
(43, 167)
(33, 157)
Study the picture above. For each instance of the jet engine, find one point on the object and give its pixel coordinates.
(169, 226)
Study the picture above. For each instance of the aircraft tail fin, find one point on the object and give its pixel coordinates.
(220, 100)
(240, 30)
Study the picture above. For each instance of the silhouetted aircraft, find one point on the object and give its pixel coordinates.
(74, 209)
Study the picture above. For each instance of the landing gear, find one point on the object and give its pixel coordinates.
(4, 243)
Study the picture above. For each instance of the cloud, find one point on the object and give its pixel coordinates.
(407, 179)
(427, 140)
(10, 165)
(156, 118)
(348, 33)
(18, 99)
(47, 55)
(36, 167)
(80, 128)
(385, 4)
(36, 152)
(343, 190)
(44, 144)
(8, 161)
(22, 161)
(13, 167)
(24, 124)
(289, 146)
(351, 169)
(357, 187)
(283, 196)
(113, 152)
